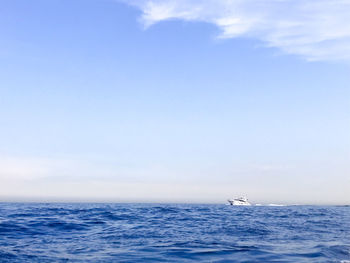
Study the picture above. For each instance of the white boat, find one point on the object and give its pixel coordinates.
(239, 201)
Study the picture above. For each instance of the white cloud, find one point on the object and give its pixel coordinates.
(315, 30)
(38, 168)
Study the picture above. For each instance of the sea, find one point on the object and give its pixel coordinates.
(89, 232)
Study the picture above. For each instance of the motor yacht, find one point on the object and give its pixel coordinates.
(239, 201)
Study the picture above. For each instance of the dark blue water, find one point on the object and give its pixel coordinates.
(173, 233)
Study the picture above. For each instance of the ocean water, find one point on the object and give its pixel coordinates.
(173, 233)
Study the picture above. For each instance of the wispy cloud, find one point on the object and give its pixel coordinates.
(38, 168)
(315, 30)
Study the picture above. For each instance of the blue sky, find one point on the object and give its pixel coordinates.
(181, 101)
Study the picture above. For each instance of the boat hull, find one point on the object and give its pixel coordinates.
(239, 202)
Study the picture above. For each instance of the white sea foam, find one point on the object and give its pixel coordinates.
(269, 205)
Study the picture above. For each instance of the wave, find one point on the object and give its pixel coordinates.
(177, 233)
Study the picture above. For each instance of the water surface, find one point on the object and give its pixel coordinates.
(173, 233)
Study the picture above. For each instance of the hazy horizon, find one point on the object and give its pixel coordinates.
(175, 101)
(217, 201)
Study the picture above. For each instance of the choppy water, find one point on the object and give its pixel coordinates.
(173, 233)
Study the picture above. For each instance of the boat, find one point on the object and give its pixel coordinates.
(239, 201)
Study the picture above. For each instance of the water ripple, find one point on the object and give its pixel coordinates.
(173, 233)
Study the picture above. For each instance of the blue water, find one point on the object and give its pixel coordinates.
(173, 233)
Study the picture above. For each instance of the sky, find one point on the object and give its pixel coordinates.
(175, 101)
